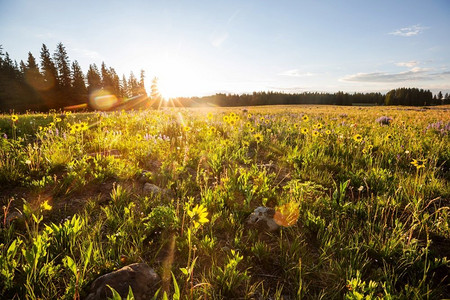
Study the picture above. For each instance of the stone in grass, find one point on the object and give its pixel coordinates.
(262, 219)
(139, 276)
(150, 188)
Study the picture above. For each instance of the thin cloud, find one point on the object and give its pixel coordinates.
(295, 73)
(408, 64)
(409, 31)
(87, 53)
(412, 75)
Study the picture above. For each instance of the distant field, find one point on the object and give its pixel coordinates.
(361, 197)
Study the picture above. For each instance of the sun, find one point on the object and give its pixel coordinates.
(182, 78)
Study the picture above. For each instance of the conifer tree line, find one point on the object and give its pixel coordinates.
(400, 96)
(53, 81)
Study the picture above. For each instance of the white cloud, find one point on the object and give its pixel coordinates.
(412, 75)
(295, 73)
(87, 53)
(408, 64)
(409, 31)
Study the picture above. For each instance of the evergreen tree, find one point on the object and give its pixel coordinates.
(94, 79)
(115, 82)
(79, 90)
(50, 83)
(107, 81)
(62, 63)
(32, 75)
(124, 88)
(133, 85)
(142, 90)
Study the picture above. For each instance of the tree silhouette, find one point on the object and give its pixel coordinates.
(79, 90)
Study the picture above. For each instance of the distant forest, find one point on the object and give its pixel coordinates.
(56, 82)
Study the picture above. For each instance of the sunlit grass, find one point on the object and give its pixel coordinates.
(363, 207)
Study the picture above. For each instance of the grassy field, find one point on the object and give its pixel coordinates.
(364, 202)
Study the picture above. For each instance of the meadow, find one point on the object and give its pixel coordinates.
(362, 197)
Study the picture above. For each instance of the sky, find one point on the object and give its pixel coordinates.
(198, 48)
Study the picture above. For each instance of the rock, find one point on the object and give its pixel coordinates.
(150, 188)
(262, 219)
(142, 279)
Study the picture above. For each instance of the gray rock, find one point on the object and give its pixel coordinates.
(262, 219)
(139, 276)
(150, 188)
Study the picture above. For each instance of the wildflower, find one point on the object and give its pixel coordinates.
(389, 137)
(305, 118)
(261, 119)
(284, 120)
(198, 215)
(319, 125)
(328, 132)
(232, 115)
(364, 151)
(357, 138)
(14, 118)
(57, 120)
(252, 129)
(370, 147)
(232, 122)
(186, 128)
(249, 115)
(248, 124)
(258, 137)
(226, 119)
(245, 143)
(138, 137)
(46, 206)
(418, 163)
(315, 133)
(304, 130)
(76, 127)
(40, 128)
(267, 121)
(209, 115)
(295, 125)
(83, 126)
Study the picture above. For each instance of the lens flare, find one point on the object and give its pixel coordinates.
(102, 100)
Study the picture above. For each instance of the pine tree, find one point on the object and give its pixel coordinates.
(79, 90)
(94, 79)
(115, 82)
(133, 85)
(142, 90)
(124, 88)
(32, 75)
(62, 63)
(107, 81)
(50, 80)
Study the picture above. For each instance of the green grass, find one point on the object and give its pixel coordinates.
(367, 223)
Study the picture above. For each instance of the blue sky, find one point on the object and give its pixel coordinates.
(205, 47)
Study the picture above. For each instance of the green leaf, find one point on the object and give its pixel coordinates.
(71, 264)
(116, 295)
(176, 295)
(87, 258)
(130, 295)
